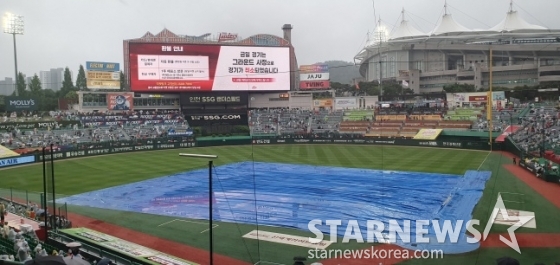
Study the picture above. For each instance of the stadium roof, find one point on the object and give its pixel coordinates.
(166, 36)
(514, 23)
(406, 30)
(448, 26)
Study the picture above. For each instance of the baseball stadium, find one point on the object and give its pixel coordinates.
(213, 155)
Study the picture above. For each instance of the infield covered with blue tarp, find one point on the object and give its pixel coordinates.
(290, 195)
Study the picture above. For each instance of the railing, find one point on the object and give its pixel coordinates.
(23, 201)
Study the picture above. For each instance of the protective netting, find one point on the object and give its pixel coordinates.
(289, 195)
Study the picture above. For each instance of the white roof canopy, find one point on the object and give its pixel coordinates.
(513, 22)
(448, 25)
(405, 30)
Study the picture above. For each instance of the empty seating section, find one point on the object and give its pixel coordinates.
(425, 117)
(360, 127)
(268, 122)
(325, 121)
(358, 115)
(455, 125)
(391, 117)
(465, 114)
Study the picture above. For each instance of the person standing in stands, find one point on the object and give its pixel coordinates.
(2, 212)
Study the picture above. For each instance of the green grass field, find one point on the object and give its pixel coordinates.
(87, 174)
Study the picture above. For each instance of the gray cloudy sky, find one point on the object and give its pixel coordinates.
(60, 33)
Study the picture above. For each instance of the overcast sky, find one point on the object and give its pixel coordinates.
(60, 33)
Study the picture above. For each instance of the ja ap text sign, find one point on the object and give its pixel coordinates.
(314, 77)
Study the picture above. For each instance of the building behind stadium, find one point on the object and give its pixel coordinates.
(523, 54)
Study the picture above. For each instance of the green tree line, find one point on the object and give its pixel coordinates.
(47, 98)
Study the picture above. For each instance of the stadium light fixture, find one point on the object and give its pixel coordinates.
(13, 24)
(210, 200)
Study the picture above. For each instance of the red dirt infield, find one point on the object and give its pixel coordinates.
(165, 246)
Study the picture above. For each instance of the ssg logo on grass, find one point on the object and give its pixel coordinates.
(443, 230)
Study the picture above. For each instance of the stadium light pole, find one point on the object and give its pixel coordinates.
(13, 24)
(210, 200)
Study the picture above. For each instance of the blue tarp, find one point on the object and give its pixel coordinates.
(289, 195)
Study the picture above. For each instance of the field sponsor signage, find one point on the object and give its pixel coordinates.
(39, 125)
(120, 101)
(179, 132)
(20, 103)
(189, 67)
(221, 118)
(103, 66)
(129, 118)
(103, 84)
(314, 85)
(286, 239)
(379, 141)
(427, 134)
(325, 103)
(345, 103)
(14, 161)
(114, 150)
(105, 76)
(478, 98)
(218, 98)
(129, 122)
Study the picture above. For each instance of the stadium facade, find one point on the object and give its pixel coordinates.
(523, 54)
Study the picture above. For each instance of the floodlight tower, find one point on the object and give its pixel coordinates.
(13, 24)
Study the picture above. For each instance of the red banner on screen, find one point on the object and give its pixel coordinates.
(509, 130)
(188, 67)
(308, 85)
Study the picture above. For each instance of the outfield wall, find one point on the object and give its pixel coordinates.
(109, 148)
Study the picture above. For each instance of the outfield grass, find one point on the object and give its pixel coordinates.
(82, 175)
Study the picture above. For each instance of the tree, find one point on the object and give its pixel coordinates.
(458, 88)
(67, 84)
(20, 85)
(35, 86)
(49, 100)
(72, 97)
(124, 85)
(81, 81)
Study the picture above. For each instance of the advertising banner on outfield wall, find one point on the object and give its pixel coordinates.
(345, 103)
(120, 101)
(20, 103)
(325, 103)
